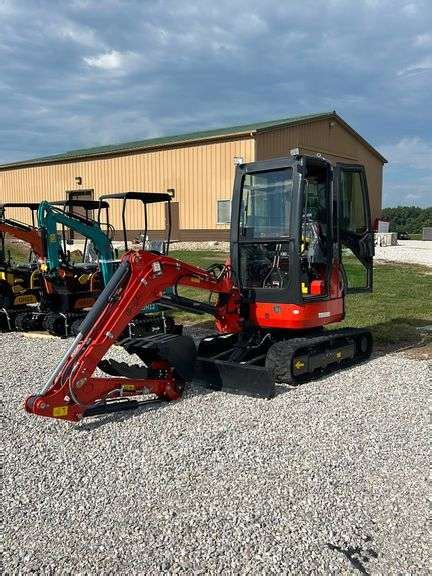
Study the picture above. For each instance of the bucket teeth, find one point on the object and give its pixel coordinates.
(114, 368)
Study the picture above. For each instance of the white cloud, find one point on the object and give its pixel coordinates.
(7, 7)
(416, 191)
(81, 35)
(112, 60)
(418, 67)
(373, 3)
(423, 40)
(410, 9)
(410, 152)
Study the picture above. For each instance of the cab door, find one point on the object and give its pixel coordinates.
(354, 230)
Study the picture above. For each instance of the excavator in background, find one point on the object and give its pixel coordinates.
(153, 316)
(72, 287)
(19, 282)
(301, 240)
(54, 291)
(50, 289)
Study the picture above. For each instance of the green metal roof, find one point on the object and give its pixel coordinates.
(171, 140)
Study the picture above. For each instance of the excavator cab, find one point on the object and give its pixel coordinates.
(70, 284)
(300, 234)
(83, 210)
(13, 225)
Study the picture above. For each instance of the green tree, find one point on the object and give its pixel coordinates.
(410, 219)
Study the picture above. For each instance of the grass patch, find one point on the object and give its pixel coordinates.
(202, 259)
(19, 251)
(399, 303)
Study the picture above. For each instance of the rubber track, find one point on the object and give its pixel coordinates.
(280, 355)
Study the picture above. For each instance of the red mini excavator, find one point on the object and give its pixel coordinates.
(301, 240)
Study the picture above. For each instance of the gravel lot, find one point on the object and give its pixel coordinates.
(326, 478)
(410, 251)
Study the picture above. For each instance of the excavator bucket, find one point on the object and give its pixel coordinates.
(178, 351)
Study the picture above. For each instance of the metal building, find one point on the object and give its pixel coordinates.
(198, 168)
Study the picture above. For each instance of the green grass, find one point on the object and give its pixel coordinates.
(18, 252)
(202, 259)
(399, 304)
(416, 236)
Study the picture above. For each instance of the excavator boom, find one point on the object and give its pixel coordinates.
(73, 392)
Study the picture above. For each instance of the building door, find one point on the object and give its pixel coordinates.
(175, 219)
(84, 194)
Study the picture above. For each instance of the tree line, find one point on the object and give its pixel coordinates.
(410, 219)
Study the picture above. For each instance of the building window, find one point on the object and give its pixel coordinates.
(223, 211)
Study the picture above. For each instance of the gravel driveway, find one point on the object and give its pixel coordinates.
(409, 251)
(326, 478)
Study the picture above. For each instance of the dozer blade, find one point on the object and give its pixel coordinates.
(234, 378)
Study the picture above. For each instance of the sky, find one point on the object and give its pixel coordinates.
(83, 73)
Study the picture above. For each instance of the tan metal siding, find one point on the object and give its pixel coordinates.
(334, 142)
(201, 175)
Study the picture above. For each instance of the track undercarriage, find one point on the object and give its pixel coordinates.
(66, 325)
(234, 363)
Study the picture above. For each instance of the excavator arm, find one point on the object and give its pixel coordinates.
(24, 232)
(49, 217)
(73, 391)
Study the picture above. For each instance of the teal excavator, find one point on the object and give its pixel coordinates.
(69, 287)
